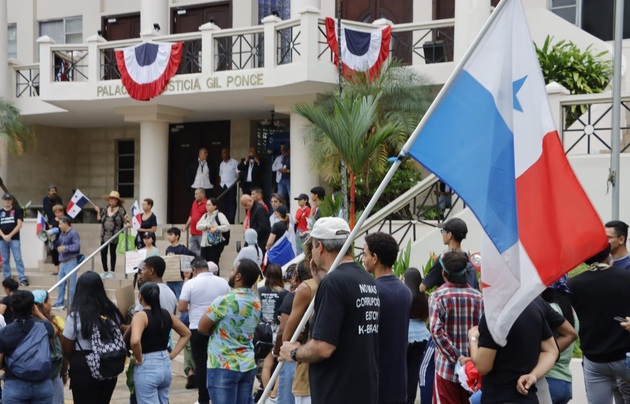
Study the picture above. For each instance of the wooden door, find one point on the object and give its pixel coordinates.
(397, 11)
(185, 140)
(115, 28)
(189, 19)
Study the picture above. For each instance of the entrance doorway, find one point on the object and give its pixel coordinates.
(185, 140)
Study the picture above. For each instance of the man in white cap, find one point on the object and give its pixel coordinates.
(343, 350)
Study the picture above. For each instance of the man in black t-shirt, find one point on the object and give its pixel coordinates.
(11, 218)
(598, 296)
(343, 351)
(381, 251)
(510, 372)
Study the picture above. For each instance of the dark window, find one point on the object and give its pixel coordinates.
(125, 168)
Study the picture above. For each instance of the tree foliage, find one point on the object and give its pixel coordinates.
(366, 123)
(579, 71)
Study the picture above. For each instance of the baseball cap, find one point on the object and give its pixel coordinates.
(282, 210)
(330, 228)
(301, 196)
(456, 226)
(7, 196)
(147, 234)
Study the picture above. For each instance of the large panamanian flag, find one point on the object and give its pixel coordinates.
(146, 69)
(361, 51)
(493, 141)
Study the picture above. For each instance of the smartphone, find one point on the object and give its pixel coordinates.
(620, 319)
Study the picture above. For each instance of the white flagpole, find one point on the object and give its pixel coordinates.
(615, 137)
(381, 188)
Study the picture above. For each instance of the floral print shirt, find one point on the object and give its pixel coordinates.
(235, 316)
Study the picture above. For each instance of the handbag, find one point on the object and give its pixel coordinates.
(130, 246)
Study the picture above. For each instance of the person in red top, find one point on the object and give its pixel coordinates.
(197, 210)
(301, 224)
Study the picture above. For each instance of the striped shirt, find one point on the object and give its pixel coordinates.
(454, 309)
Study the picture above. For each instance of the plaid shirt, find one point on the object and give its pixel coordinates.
(454, 309)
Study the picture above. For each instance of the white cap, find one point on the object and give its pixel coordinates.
(330, 228)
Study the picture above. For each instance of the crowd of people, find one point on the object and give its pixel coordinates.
(373, 337)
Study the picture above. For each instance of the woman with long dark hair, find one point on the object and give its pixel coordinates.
(150, 329)
(280, 249)
(418, 332)
(91, 310)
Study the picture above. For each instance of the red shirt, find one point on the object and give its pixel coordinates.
(196, 211)
(300, 218)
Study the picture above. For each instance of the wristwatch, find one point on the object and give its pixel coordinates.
(473, 339)
(293, 354)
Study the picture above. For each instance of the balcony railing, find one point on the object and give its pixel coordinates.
(27, 81)
(412, 43)
(212, 50)
(586, 124)
(70, 63)
(239, 49)
(288, 37)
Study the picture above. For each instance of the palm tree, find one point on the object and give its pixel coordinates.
(368, 122)
(14, 133)
(348, 125)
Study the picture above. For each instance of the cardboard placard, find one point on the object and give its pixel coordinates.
(175, 264)
(125, 299)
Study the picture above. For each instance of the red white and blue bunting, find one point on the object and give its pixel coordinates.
(361, 51)
(146, 69)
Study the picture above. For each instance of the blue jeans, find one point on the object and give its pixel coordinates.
(561, 391)
(284, 189)
(230, 387)
(285, 383)
(152, 379)
(18, 391)
(176, 287)
(6, 249)
(64, 269)
(58, 390)
(600, 378)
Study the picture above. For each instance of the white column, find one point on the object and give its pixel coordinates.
(151, 12)
(469, 18)
(154, 166)
(4, 82)
(297, 6)
(303, 176)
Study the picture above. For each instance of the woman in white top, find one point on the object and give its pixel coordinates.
(213, 223)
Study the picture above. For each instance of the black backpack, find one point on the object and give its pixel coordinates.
(226, 235)
(107, 359)
(263, 340)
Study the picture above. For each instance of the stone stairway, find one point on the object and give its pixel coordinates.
(41, 278)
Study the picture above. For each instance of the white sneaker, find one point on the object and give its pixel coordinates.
(111, 275)
(104, 275)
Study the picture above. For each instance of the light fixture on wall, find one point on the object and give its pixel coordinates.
(156, 26)
(275, 13)
(273, 123)
(212, 21)
(100, 32)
